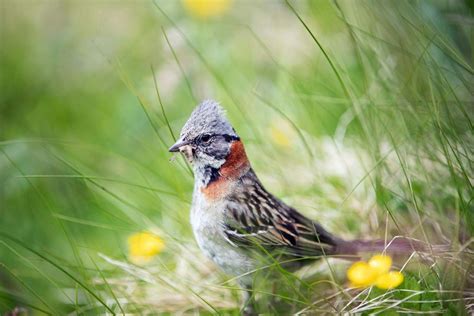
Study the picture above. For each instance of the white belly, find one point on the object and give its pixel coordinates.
(208, 228)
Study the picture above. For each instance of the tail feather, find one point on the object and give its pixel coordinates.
(398, 245)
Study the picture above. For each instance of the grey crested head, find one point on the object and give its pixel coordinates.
(207, 118)
(206, 137)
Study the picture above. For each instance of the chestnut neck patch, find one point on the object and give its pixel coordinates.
(236, 165)
(236, 162)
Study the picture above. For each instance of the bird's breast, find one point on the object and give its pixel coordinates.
(217, 189)
(207, 220)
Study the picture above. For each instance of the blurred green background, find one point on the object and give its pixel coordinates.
(363, 121)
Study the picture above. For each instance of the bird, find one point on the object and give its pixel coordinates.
(237, 223)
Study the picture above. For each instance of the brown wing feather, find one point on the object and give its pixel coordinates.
(257, 217)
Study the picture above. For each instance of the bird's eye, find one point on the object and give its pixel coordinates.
(205, 138)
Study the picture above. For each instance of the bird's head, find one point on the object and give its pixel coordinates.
(210, 142)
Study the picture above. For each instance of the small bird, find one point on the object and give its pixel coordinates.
(237, 222)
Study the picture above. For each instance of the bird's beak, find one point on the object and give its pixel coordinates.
(179, 143)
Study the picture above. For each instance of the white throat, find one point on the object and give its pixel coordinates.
(204, 172)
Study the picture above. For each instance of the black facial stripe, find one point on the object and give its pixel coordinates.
(230, 137)
(210, 175)
(227, 137)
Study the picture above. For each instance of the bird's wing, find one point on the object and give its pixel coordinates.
(256, 218)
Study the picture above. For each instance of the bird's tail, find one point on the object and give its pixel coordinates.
(397, 245)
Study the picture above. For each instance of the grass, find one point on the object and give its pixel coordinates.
(359, 115)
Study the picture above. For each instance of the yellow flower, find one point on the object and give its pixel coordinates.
(279, 136)
(380, 263)
(281, 132)
(360, 274)
(375, 272)
(206, 8)
(389, 280)
(143, 246)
